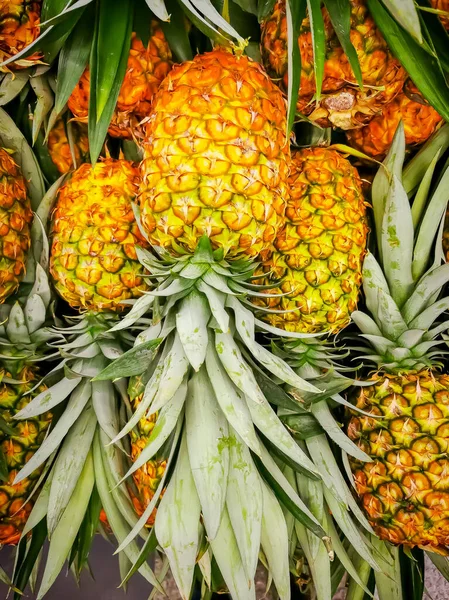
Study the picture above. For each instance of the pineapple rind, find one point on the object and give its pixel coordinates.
(342, 103)
(94, 235)
(216, 158)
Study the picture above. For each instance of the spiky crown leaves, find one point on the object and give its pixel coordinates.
(402, 291)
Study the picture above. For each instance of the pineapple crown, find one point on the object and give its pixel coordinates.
(402, 291)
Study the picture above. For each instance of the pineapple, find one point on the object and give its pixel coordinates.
(19, 27)
(319, 254)
(24, 338)
(147, 477)
(420, 121)
(215, 162)
(342, 103)
(15, 219)
(17, 448)
(212, 199)
(404, 491)
(59, 146)
(146, 68)
(444, 6)
(94, 268)
(93, 257)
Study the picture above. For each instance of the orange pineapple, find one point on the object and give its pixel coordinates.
(342, 103)
(19, 27)
(419, 118)
(59, 146)
(146, 68)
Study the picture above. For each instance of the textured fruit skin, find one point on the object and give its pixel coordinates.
(419, 118)
(146, 68)
(59, 147)
(216, 157)
(405, 490)
(319, 254)
(15, 221)
(148, 477)
(342, 104)
(442, 5)
(18, 449)
(94, 234)
(19, 27)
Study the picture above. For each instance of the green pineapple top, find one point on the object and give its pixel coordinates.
(402, 288)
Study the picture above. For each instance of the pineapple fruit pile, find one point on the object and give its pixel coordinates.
(223, 277)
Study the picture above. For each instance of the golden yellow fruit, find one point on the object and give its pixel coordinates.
(216, 157)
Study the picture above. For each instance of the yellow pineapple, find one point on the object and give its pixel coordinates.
(404, 491)
(93, 257)
(15, 219)
(59, 145)
(215, 162)
(19, 27)
(319, 254)
(342, 104)
(17, 448)
(146, 68)
(419, 118)
(212, 198)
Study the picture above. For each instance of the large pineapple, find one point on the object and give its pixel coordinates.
(419, 118)
(213, 196)
(342, 104)
(17, 447)
(404, 491)
(216, 160)
(146, 68)
(62, 151)
(93, 257)
(19, 27)
(15, 219)
(318, 256)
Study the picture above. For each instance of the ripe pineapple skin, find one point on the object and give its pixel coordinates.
(18, 449)
(342, 103)
(216, 158)
(15, 222)
(19, 27)
(405, 490)
(59, 147)
(147, 478)
(419, 119)
(94, 234)
(146, 68)
(319, 254)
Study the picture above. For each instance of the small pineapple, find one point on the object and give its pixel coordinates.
(342, 103)
(319, 254)
(60, 148)
(15, 220)
(146, 68)
(93, 256)
(19, 27)
(215, 161)
(419, 118)
(18, 447)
